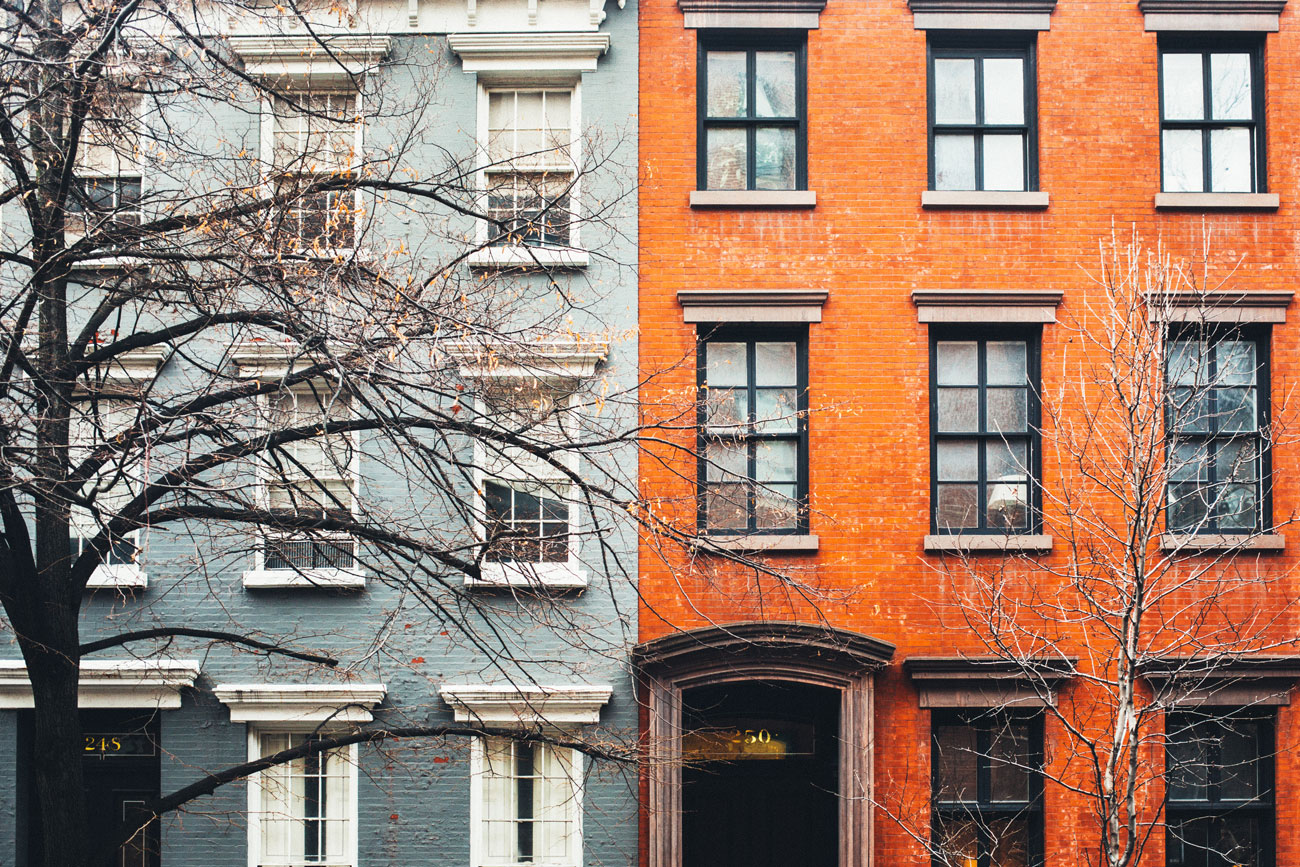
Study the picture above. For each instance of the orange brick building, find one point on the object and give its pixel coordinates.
(875, 295)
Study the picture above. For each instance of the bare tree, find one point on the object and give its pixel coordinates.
(206, 337)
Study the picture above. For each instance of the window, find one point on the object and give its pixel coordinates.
(987, 790)
(315, 138)
(531, 172)
(1218, 396)
(98, 200)
(1211, 116)
(984, 433)
(983, 116)
(1219, 797)
(527, 804)
(752, 118)
(107, 187)
(95, 423)
(304, 810)
(526, 524)
(753, 474)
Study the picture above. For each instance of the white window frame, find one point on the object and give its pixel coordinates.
(255, 806)
(478, 806)
(526, 256)
(101, 161)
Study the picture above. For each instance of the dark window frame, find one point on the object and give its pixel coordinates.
(960, 46)
(751, 42)
(751, 336)
(1262, 338)
(984, 721)
(1205, 45)
(1262, 808)
(1033, 434)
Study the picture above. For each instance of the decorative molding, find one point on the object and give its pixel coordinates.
(981, 21)
(751, 14)
(981, 681)
(507, 705)
(303, 579)
(568, 51)
(523, 258)
(1245, 681)
(1014, 199)
(823, 647)
(270, 361)
(1218, 201)
(794, 544)
(986, 543)
(752, 305)
(1220, 305)
(300, 702)
(311, 57)
(1212, 15)
(130, 370)
(1223, 542)
(986, 305)
(109, 683)
(555, 359)
(753, 199)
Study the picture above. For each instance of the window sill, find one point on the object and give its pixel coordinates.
(1222, 542)
(753, 199)
(983, 199)
(122, 576)
(993, 543)
(793, 543)
(1218, 201)
(551, 576)
(529, 257)
(283, 579)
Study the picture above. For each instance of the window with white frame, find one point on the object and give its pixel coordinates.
(527, 804)
(311, 477)
(108, 184)
(315, 142)
(531, 173)
(94, 423)
(304, 811)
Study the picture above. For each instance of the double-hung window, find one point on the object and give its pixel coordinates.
(1216, 458)
(1211, 115)
(527, 804)
(304, 810)
(1219, 802)
(983, 115)
(752, 117)
(531, 172)
(95, 423)
(987, 790)
(984, 412)
(753, 473)
(107, 187)
(315, 143)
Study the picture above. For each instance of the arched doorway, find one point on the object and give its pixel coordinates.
(760, 746)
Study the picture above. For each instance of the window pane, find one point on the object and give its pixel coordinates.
(727, 156)
(559, 107)
(954, 90)
(775, 85)
(1008, 410)
(1004, 162)
(958, 841)
(1187, 462)
(1188, 769)
(724, 364)
(774, 158)
(958, 507)
(726, 83)
(1181, 156)
(726, 407)
(726, 461)
(1007, 362)
(1236, 409)
(776, 363)
(1239, 757)
(1008, 763)
(1184, 97)
(727, 506)
(1007, 460)
(1230, 96)
(958, 461)
(530, 117)
(777, 410)
(775, 506)
(1191, 409)
(956, 748)
(776, 461)
(1188, 362)
(1187, 506)
(1235, 462)
(1010, 842)
(1230, 153)
(958, 410)
(1008, 506)
(954, 162)
(1004, 90)
(1236, 362)
(958, 362)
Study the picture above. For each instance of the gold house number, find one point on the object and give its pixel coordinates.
(752, 736)
(102, 744)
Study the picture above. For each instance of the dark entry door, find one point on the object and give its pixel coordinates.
(760, 781)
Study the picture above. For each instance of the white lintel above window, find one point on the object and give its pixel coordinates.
(1212, 16)
(109, 683)
(986, 305)
(300, 703)
(130, 370)
(556, 359)
(325, 60)
(564, 54)
(1267, 306)
(751, 14)
(270, 361)
(982, 14)
(527, 707)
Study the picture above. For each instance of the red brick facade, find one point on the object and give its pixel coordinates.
(870, 244)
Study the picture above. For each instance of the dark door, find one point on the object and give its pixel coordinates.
(760, 779)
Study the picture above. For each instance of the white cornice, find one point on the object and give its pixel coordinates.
(506, 705)
(567, 51)
(137, 367)
(310, 57)
(300, 702)
(270, 361)
(558, 359)
(109, 683)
